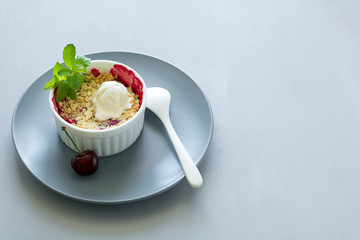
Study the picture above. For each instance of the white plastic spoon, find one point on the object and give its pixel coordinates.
(158, 101)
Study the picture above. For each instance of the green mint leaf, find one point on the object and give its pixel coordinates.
(57, 67)
(78, 68)
(72, 94)
(52, 83)
(69, 55)
(76, 80)
(80, 63)
(83, 61)
(70, 78)
(81, 79)
(64, 72)
(62, 91)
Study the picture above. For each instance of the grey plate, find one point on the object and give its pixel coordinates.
(147, 168)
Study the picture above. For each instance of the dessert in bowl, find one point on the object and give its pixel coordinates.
(107, 113)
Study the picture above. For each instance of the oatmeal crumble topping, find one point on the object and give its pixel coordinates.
(81, 112)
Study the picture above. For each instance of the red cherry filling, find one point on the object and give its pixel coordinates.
(95, 72)
(113, 122)
(128, 78)
(85, 163)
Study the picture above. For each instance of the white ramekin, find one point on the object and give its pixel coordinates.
(108, 141)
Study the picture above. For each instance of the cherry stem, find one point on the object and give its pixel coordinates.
(64, 129)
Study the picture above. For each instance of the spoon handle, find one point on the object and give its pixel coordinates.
(191, 171)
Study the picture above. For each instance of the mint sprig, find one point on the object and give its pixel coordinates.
(68, 79)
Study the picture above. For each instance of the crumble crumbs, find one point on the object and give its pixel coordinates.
(81, 111)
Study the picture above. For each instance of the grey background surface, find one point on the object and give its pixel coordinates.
(283, 80)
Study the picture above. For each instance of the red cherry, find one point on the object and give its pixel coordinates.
(85, 163)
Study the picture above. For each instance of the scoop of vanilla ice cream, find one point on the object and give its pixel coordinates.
(111, 100)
